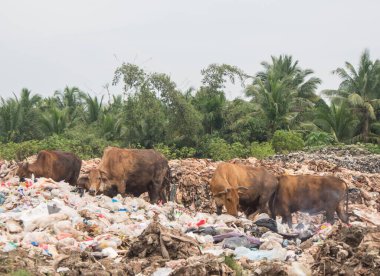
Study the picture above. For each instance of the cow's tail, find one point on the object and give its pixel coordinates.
(347, 192)
(272, 207)
(170, 188)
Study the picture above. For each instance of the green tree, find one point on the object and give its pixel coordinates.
(210, 99)
(70, 99)
(156, 94)
(55, 121)
(144, 119)
(93, 108)
(361, 87)
(19, 117)
(336, 119)
(283, 91)
(10, 119)
(243, 122)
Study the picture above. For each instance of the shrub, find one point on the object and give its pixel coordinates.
(261, 150)
(165, 150)
(372, 148)
(85, 146)
(319, 139)
(173, 152)
(287, 141)
(219, 149)
(19, 151)
(239, 150)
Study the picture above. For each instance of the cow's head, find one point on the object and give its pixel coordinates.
(97, 181)
(23, 170)
(229, 198)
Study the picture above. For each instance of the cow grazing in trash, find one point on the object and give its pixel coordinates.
(311, 194)
(234, 185)
(53, 164)
(131, 171)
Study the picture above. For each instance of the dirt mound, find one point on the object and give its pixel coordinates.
(349, 251)
(352, 158)
(156, 240)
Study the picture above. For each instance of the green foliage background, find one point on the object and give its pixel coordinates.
(281, 110)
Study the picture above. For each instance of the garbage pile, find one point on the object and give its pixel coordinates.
(349, 157)
(46, 228)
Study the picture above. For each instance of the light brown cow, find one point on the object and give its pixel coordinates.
(251, 188)
(132, 171)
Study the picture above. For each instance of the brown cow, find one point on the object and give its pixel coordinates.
(53, 164)
(133, 171)
(234, 184)
(311, 194)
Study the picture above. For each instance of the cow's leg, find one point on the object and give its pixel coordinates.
(287, 218)
(154, 192)
(263, 205)
(162, 195)
(330, 216)
(342, 213)
(289, 221)
(120, 185)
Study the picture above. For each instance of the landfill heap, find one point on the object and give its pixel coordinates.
(46, 228)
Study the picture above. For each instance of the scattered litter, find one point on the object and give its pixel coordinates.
(45, 227)
(274, 254)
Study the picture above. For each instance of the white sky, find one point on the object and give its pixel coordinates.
(46, 45)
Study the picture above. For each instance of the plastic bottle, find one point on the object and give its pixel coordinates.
(134, 206)
(10, 246)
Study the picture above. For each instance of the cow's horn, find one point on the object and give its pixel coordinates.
(242, 187)
(222, 192)
(103, 172)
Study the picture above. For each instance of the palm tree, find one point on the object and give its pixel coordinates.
(283, 92)
(27, 101)
(361, 87)
(19, 118)
(110, 126)
(71, 99)
(10, 119)
(54, 121)
(210, 103)
(336, 119)
(94, 108)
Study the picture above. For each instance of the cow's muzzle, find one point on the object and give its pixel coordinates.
(219, 210)
(92, 192)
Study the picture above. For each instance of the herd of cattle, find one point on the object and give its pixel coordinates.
(252, 190)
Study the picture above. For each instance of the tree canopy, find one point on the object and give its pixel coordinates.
(152, 112)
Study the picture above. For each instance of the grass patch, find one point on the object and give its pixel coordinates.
(228, 260)
(21, 272)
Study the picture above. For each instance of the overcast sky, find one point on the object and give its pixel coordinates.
(46, 45)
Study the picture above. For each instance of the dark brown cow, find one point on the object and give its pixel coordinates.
(311, 194)
(132, 171)
(233, 185)
(53, 164)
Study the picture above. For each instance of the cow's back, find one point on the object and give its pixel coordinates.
(126, 163)
(309, 193)
(227, 176)
(57, 165)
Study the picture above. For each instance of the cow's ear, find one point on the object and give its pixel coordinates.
(241, 189)
(103, 173)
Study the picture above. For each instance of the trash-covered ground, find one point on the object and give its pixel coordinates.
(47, 229)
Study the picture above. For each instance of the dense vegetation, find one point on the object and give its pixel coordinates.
(282, 111)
